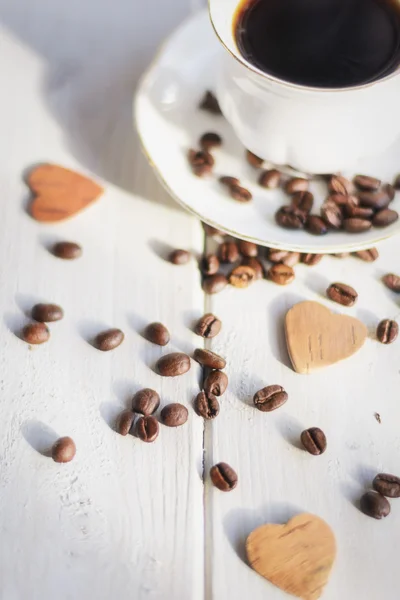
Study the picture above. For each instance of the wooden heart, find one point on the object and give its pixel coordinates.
(296, 557)
(317, 338)
(59, 193)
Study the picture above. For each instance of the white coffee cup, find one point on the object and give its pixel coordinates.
(314, 130)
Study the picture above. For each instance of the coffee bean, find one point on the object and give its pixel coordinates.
(392, 281)
(270, 398)
(67, 250)
(248, 249)
(390, 191)
(108, 340)
(157, 333)
(270, 179)
(277, 256)
(254, 264)
(125, 422)
(206, 405)
(356, 225)
(290, 217)
(387, 485)
(215, 383)
(342, 294)
(332, 214)
(223, 477)
(387, 331)
(209, 359)
(339, 199)
(374, 505)
(240, 193)
(311, 259)
(229, 252)
(254, 160)
(210, 140)
(47, 313)
(292, 259)
(316, 225)
(209, 264)
(375, 200)
(303, 201)
(212, 232)
(208, 326)
(201, 162)
(297, 184)
(35, 333)
(242, 276)
(174, 414)
(355, 211)
(210, 104)
(179, 257)
(364, 182)
(396, 183)
(145, 402)
(229, 181)
(146, 429)
(340, 185)
(63, 450)
(281, 274)
(314, 440)
(385, 217)
(369, 255)
(174, 364)
(215, 283)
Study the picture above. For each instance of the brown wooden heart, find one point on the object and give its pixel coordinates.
(296, 557)
(317, 338)
(59, 193)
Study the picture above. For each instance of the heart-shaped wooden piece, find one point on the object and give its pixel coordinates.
(317, 338)
(296, 557)
(59, 193)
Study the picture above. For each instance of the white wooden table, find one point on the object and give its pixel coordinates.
(125, 519)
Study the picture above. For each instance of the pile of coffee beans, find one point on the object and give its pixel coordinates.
(375, 503)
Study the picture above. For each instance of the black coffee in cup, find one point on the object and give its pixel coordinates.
(321, 43)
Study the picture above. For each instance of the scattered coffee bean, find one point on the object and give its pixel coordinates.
(67, 250)
(270, 398)
(35, 333)
(387, 331)
(206, 405)
(47, 313)
(387, 485)
(215, 383)
(369, 255)
(311, 259)
(63, 450)
(209, 264)
(146, 429)
(281, 274)
(208, 326)
(385, 217)
(108, 340)
(356, 225)
(125, 422)
(314, 440)
(364, 182)
(332, 214)
(174, 364)
(201, 162)
(316, 225)
(242, 276)
(277, 256)
(209, 359)
(340, 185)
(215, 283)
(145, 402)
(229, 252)
(179, 257)
(375, 200)
(392, 281)
(174, 414)
(248, 249)
(254, 264)
(374, 505)
(210, 104)
(390, 191)
(290, 217)
(211, 140)
(229, 181)
(342, 294)
(396, 183)
(157, 333)
(223, 477)
(297, 184)
(355, 211)
(303, 201)
(254, 160)
(240, 193)
(291, 259)
(270, 179)
(212, 232)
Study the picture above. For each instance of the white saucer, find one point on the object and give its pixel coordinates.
(169, 122)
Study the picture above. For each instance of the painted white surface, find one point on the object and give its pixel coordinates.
(124, 519)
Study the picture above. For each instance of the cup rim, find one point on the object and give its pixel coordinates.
(287, 84)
